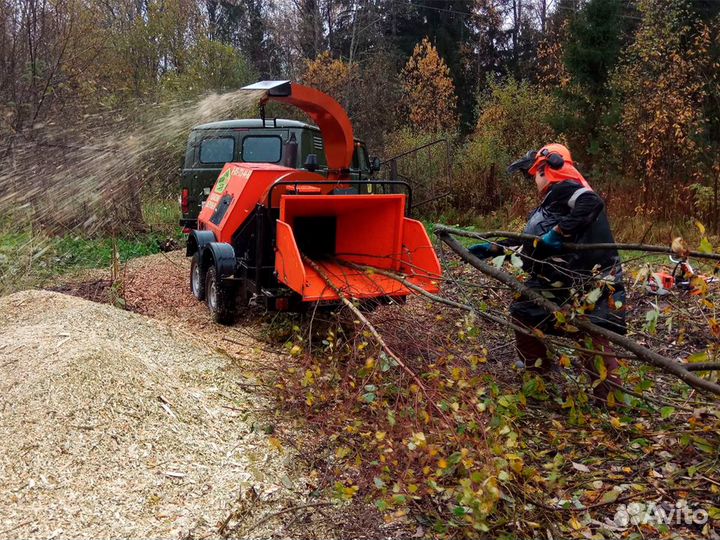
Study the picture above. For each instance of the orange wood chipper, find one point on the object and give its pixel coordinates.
(262, 222)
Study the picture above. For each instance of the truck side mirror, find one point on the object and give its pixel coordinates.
(311, 162)
(375, 164)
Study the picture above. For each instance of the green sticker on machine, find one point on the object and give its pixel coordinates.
(222, 182)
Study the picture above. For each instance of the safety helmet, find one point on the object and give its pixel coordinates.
(555, 155)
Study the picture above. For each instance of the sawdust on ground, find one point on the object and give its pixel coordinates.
(113, 424)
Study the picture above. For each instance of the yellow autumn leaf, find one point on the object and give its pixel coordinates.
(276, 444)
(308, 379)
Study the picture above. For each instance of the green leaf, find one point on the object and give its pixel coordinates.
(705, 245)
(610, 496)
(505, 401)
(666, 412)
(704, 445)
(459, 511)
(651, 318)
(369, 397)
(516, 261)
(378, 482)
(600, 368)
(697, 357)
(498, 261)
(714, 512)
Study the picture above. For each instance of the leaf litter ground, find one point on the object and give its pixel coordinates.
(564, 468)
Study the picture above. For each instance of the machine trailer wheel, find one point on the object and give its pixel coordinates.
(220, 298)
(197, 278)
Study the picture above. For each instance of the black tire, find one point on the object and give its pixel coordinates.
(197, 278)
(221, 299)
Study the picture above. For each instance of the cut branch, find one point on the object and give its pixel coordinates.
(467, 307)
(703, 366)
(435, 298)
(445, 230)
(482, 314)
(373, 331)
(646, 355)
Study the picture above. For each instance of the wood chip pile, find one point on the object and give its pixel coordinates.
(115, 425)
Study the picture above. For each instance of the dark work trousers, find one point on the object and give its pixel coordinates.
(531, 349)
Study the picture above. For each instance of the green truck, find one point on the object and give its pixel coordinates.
(284, 142)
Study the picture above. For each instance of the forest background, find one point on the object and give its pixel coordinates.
(630, 86)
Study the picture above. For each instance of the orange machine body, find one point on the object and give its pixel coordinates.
(269, 216)
(240, 187)
(369, 230)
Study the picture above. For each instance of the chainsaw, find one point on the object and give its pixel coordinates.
(682, 278)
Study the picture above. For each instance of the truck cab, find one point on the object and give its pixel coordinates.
(278, 141)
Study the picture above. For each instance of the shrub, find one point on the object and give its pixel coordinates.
(426, 170)
(513, 119)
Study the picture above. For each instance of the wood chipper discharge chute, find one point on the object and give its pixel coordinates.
(262, 222)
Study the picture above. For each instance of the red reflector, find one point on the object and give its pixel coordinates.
(185, 201)
(282, 304)
(187, 230)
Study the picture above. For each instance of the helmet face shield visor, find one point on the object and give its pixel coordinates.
(524, 164)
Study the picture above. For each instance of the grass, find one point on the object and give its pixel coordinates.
(30, 258)
(161, 215)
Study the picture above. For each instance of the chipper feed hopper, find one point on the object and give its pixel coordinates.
(263, 222)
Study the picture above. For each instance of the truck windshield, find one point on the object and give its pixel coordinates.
(262, 149)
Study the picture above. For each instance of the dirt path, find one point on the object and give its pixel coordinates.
(121, 424)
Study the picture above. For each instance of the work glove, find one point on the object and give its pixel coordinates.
(483, 250)
(552, 240)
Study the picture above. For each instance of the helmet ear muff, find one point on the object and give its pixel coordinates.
(555, 161)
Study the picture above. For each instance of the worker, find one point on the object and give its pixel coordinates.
(569, 211)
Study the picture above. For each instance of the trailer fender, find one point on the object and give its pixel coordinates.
(197, 240)
(221, 255)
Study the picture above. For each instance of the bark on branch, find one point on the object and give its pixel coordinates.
(643, 354)
(703, 366)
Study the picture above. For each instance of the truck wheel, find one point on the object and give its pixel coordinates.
(197, 278)
(220, 298)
